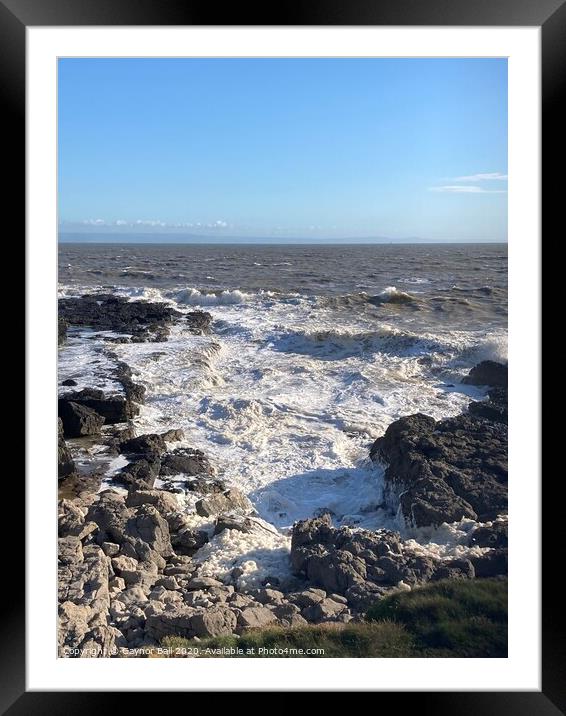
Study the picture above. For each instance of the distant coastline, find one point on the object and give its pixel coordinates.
(188, 239)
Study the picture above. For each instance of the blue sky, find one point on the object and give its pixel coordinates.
(391, 149)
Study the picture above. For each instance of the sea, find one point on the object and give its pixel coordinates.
(314, 351)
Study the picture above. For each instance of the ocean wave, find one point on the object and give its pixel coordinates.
(336, 344)
(391, 294)
(227, 297)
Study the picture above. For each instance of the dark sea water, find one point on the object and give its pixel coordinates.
(463, 283)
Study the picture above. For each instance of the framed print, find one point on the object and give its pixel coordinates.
(282, 280)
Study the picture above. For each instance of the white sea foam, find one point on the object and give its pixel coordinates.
(286, 398)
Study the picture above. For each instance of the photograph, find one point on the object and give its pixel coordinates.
(282, 357)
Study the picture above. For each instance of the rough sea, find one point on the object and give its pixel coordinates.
(314, 351)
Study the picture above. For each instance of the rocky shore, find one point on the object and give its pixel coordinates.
(129, 568)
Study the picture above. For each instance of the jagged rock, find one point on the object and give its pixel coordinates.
(326, 610)
(494, 408)
(231, 522)
(455, 569)
(140, 474)
(62, 326)
(173, 435)
(490, 564)
(307, 598)
(187, 541)
(68, 382)
(151, 446)
(84, 600)
(488, 372)
(205, 485)
(199, 322)
(167, 582)
(239, 600)
(147, 525)
(141, 532)
(79, 420)
(267, 596)
(132, 390)
(176, 622)
(110, 549)
(161, 500)
(65, 462)
(113, 408)
(143, 320)
(255, 617)
(335, 570)
(203, 583)
(215, 621)
(362, 595)
(70, 519)
(230, 500)
(443, 471)
(490, 535)
(288, 615)
(185, 461)
(121, 564)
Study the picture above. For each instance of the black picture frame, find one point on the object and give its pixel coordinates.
(550, 15)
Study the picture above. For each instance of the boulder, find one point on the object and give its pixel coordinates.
(443, 471)
(185, 461)
(214, 621)
(151, 446)
(255, 618)
(454, 569)
(199, 322)
(490, 564)
(188, 541)
(113, 408)
(65, 462)
(231, 499)
(493, 534)
(164, 502)
(84, 600)
(488, 372)
(232, 522)
(79, 420)
(174, 622)
(307, 598)
(494, 408)
(140, 473)
(327, 610)
(147, 525)
(142, 320)
(203, 583)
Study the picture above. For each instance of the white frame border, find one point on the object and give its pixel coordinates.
(521, 671)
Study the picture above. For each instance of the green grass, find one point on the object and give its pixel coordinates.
(317, 641)
(445, 619)
(452, 618)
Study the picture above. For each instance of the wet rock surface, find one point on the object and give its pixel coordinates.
(488, 372)
(142, 320)
(443, 471)
(113, 408)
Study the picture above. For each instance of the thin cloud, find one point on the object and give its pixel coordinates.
(465, 189)
(219, 224)
(491, 176)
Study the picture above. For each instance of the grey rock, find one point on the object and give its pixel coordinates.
(230, 500)
(255, 617)
(203, 583)
(216, 621)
